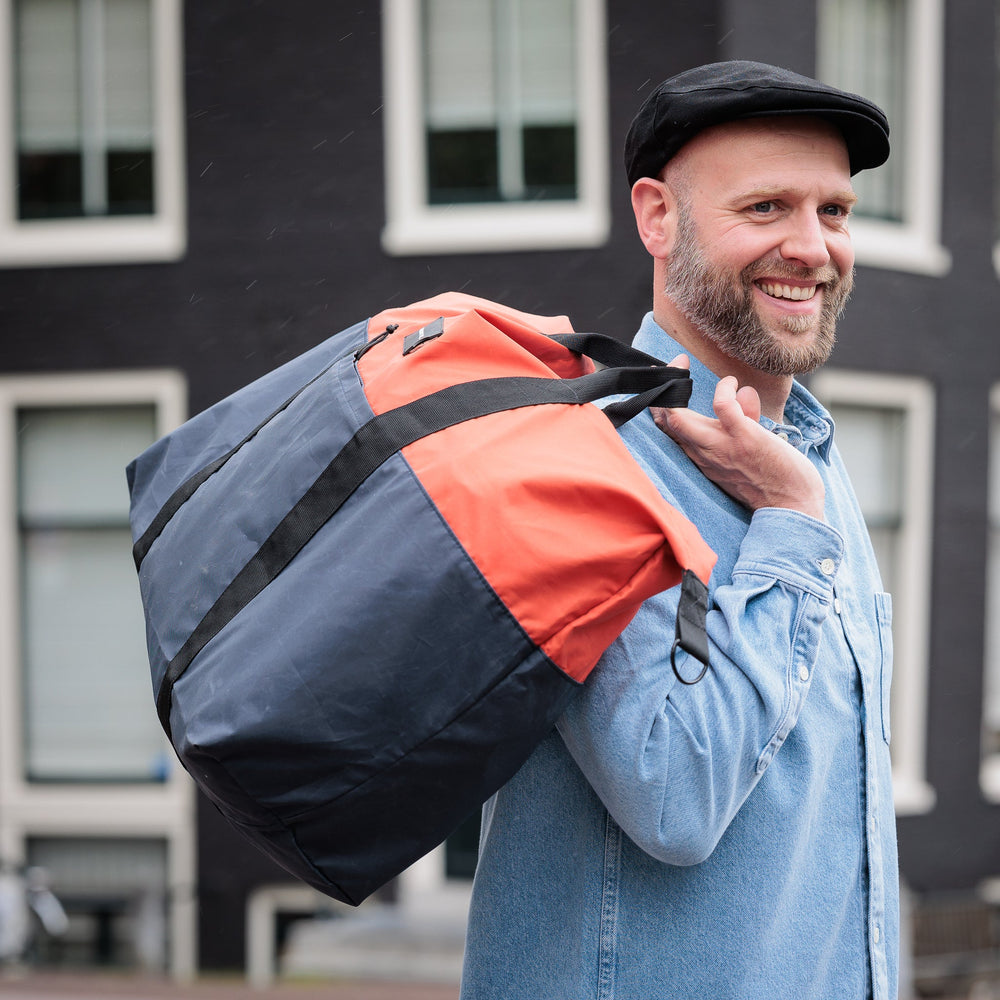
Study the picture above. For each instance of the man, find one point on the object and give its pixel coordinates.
(733, 838)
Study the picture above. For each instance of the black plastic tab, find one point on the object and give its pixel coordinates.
(429, 332)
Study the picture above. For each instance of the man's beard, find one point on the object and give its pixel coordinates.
(722, 308)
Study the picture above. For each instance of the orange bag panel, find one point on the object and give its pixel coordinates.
(560, 519)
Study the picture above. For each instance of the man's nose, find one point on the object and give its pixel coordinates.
(805, 241)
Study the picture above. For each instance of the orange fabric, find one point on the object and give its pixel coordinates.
(558, 516)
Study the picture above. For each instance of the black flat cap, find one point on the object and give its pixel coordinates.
(720, 92)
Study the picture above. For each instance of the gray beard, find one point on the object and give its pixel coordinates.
(723, 310)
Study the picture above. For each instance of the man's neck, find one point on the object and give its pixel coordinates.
(772, 389)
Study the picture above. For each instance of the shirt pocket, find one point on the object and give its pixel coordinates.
(883, 617)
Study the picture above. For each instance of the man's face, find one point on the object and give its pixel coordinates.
(762, 263)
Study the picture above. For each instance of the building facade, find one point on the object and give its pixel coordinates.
(192, 194)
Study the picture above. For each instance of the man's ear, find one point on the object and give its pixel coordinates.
(655, 209)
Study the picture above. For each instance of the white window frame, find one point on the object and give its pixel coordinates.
(914, 244)
(989, 772)
(162, 810)
(161, 236)
(912, 587)
(415, 227)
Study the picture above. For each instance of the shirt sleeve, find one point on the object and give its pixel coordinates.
(673, 763)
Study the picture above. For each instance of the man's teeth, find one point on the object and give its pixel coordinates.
(794, 292)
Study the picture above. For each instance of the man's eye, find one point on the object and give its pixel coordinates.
(763, 207)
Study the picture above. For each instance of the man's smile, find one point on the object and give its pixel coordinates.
(777, 290)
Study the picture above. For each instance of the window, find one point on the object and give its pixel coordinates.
(495, 125)
(86, 698)
(80, 748)
(891, 52)
(990, 777)
(884, 426)
(91, 126)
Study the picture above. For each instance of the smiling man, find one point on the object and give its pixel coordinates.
(732, 838)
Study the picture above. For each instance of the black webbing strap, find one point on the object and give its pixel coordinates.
(606, 350)
(378, 440)
(690, 633)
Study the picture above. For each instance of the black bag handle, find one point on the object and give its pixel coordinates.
(606, 350)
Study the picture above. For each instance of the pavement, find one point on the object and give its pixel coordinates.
(88, 985)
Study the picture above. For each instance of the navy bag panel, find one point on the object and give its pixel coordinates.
(159, 470)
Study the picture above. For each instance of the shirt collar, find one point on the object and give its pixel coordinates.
(807, 423)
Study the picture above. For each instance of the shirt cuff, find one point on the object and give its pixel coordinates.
(793, 547)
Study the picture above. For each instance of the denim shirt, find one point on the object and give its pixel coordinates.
(731, 839)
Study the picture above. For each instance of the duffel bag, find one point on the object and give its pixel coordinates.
(373, 578)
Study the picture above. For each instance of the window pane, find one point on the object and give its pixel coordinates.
(128, 87)
(72, 462)
(870, 440)
(459, 63)
(550, 161)
(88, 706)
(862, 48)
(48, 75)
(462, 166)
(127, 78)
(546, 47)
(87, 703)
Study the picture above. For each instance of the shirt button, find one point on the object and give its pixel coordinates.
(876, 935)
(803, 673)
(836, 605)
(783, 435)
(828, 567)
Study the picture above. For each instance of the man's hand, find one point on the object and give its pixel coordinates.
(755, 467)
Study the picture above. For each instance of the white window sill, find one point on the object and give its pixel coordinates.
(898, 247)
(495, 228)
(90, 241)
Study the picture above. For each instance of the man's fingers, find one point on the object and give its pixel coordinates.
(750, 402)
(727, 406)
